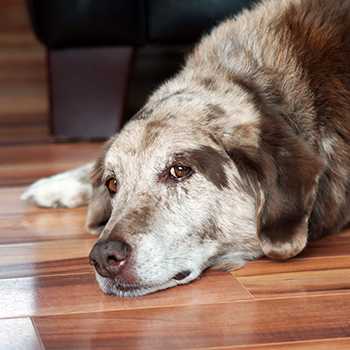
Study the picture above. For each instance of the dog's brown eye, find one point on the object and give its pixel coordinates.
(111, 185)
(178, 172)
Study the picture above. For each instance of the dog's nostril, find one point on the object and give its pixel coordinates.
(112, 260)
(93, 262)
(182, 275)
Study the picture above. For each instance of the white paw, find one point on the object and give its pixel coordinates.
(58, 191)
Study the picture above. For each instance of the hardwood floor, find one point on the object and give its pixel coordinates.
(49, 298)
(23, 91)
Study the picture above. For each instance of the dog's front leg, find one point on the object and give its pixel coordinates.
(70, 189)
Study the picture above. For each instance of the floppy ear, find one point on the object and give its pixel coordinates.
(282, 173)
(100, 209)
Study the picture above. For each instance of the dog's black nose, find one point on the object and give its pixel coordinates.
(109, 258)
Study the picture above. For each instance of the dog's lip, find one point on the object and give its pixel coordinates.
(114, 287)
(124, 287)
(132, 290)
(114, 284)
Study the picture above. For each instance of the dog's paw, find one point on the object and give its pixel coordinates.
(58, 191)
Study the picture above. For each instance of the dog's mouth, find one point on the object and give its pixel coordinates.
(117, 288)
(182, 275)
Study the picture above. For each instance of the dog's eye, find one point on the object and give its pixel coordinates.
(111, 185)
(179, 172)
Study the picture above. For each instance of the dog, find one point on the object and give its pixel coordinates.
(245, 153)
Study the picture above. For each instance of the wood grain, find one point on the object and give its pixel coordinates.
(50, 225)
(308, 283)
(23, 79)
(29, 253)
(23, 165)
(327, 344)
(322, 269)
(201, 326)
(72, 292)
(24, 223)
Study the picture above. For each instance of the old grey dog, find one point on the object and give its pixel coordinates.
(244, 153)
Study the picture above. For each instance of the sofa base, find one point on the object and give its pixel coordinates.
(88, 90)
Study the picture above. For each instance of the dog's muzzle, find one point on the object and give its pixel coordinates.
(110, 259)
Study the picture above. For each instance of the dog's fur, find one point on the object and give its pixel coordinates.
(260, 116)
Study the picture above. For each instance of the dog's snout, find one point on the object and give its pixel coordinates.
(109, 258)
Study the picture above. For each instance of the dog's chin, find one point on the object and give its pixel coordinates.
(112, 287)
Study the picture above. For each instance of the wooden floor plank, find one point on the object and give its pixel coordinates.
(18, 333)
(16, 255)
(322, 269)
(326, 344)
(49, 224)
(23, 165)
(201, 326)
(47, 154)
(50, 267)
(79, 293)
(24, 223)
(317, 255)
(31, 133)
(298, 284)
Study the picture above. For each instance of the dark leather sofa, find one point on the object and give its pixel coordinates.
(91, 45)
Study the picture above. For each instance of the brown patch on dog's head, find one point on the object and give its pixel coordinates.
(137, 220)
(282, 173)
(211, 164)
(209, 83)
(214, 111)
(207, 161)
(153, 129)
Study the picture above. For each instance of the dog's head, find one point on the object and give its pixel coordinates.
(189, 184)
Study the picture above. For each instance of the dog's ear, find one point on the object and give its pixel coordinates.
(100, 208)
(282, 173)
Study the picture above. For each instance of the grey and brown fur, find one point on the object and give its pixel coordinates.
(260, 114)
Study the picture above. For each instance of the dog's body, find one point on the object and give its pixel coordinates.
(245, 153)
